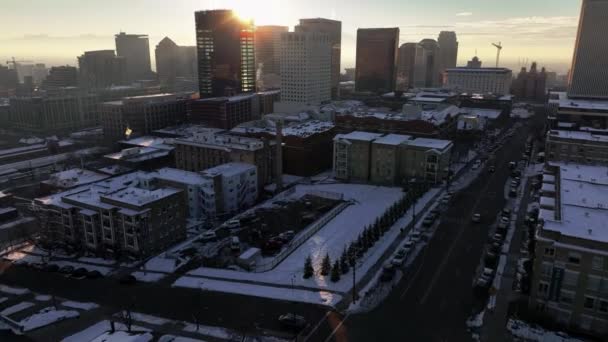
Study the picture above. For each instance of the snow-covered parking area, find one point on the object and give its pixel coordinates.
(286, 279)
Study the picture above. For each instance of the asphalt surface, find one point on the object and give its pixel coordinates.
(434, 303)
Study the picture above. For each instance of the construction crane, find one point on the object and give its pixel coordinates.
(498, 49)
(15, 62)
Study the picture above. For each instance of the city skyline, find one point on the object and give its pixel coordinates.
(57, 36)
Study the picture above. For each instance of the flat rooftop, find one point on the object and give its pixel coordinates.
(437, 144)
(358, 135)
(578, 135)
(229, 169)
(303, 130)
(222, 141)
(171, 174)
(565, 102)
(74, 177)
(150, 141)
(582, 201)
(139, 196)
(480, 70)
(482, 112)
(393, 139)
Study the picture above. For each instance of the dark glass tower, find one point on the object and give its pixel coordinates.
(226, 62)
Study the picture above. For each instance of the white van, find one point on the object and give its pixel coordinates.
(235, 244)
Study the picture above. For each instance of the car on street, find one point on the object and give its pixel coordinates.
(68, 269)
(512, 165)
(498, 238)
(403, 252)
(398, 260)
(476, 218)
(208, 236)
(292, 321)
(486, 277)
(428, 221)
(513, 192)
(506, 212)
(414, 236)
(388, 272)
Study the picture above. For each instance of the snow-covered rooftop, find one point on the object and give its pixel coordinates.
(393, 139)
(181, 176)
(303, 130)
(566, 102)
(437, 144)
(139, 196)
(583, 202)
(74, 177)
(358, 135)
(229, 169)
(149, 141)
(578, 135)
(187, 130)
(139, 154)
(223, 141)
(482, 112)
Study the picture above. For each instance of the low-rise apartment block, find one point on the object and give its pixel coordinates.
(570, 271)
(577, 147)
(390, 159)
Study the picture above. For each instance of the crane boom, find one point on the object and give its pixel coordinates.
(498, 49)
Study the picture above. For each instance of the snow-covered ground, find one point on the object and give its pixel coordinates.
(45, 317)
(369, 203)
(123, 336)
(16, 308)
(525, 332)
(13, 290)
(167, 262)
(171, 338)
(79, 305)
(96, 330)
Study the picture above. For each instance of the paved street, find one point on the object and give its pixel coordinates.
(434, 303)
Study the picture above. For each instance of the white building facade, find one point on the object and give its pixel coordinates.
(305, 70)
(479, 80)
(238, 186)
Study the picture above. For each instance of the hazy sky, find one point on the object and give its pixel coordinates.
(56, 31)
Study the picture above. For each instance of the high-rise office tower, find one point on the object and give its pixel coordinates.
(268, 55)
(135, 49)
(405, 65)
(101, 69)
(226, 61)
(173, 61)
(376, 59)
(333, 29)
(474, 63)
(427, 65)
(589, 73)
(448, 55)
(8, 80)
(305, 70)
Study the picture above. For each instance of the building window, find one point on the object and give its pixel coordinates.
(597, 263)
(546, 269)
(589, 302)
(570, 278)
(603, 306)
(574, 258)
(593, 283)
(549, 251)
(566, 297)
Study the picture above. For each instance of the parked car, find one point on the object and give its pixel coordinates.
(292, 321)
(271, 247)
(388, 272)
(235, 244)
(233, 224)
(492, 169)
(51, 268)
(486, 277)
(208, 236)
(403, 252)
(127, 280)
(68, 269)
(512, 165)
(476, 218)
(498, 238)
(506, 212)
(414, 236)
(513, 192)
(428, 221)
(398, 260)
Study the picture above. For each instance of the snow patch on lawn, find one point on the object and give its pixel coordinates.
(16, 308)
(13, 290)
(98, 329)
(43, 298)
(45, 317)
(123, 336)
(80, 305)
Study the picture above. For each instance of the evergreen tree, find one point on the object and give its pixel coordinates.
(326, 265)
(308, 270)
(335, 272)
(344, 264)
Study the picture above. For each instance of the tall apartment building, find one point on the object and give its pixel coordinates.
(589, 72)
(268, 55)
(116, 217)
(8, 81)
(305, 70)
(135, 49)
(392, 159)
(590, 115)
(479, 80)
(101, 69)
(405, 65)
(226, 58)
(333, 29)
(140, 115)
(376, 62)
(577, 147)
(531, 85)
(570, 270)
(62, 112)
(225, 112)
(427, 66)
(448, 54)
(205, 150)
(60, 77)
(174, 61)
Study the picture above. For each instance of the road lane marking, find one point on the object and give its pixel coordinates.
(317, 325)
(336, 328)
